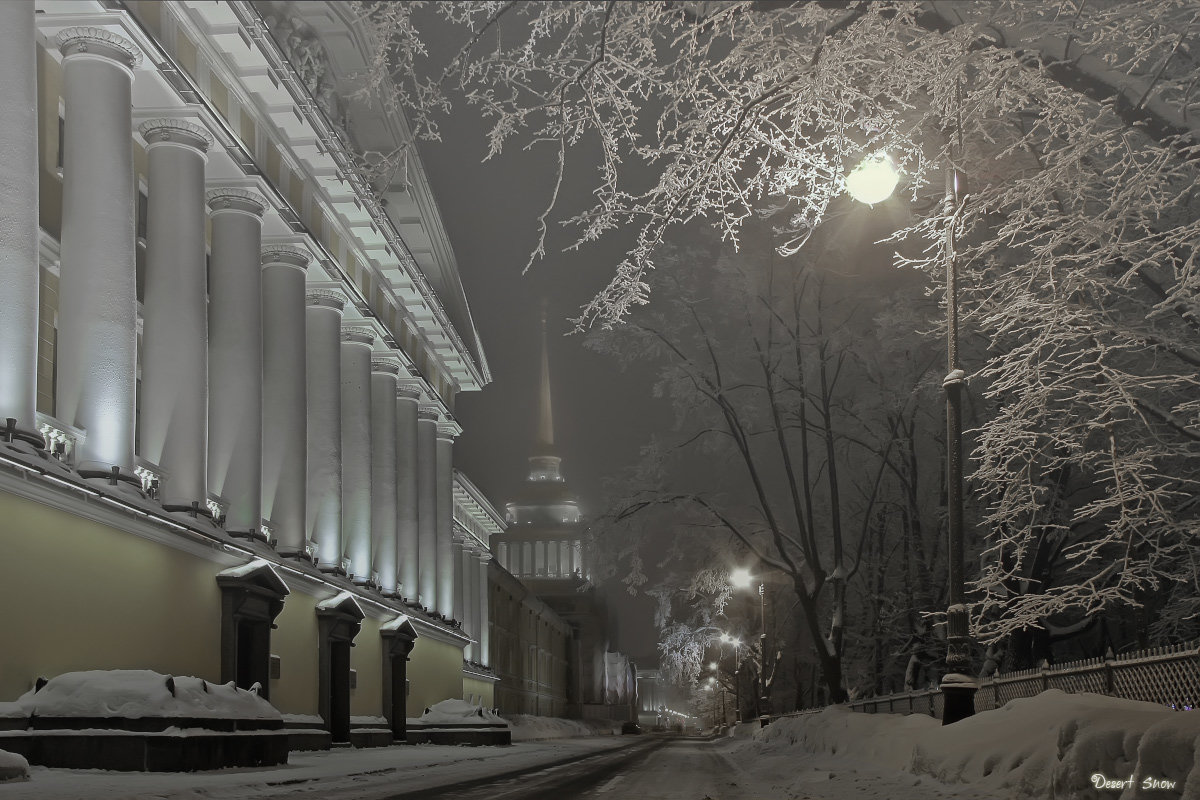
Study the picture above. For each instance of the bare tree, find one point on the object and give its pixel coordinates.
(1075, 125)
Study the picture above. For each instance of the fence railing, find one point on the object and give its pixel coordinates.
(1168, 676)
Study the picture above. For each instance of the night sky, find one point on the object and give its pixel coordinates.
(602, 416)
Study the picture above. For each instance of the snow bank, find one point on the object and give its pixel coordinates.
(527, 727)
(884, 739)
(137, 693)
(1053, 746)
(13, 767)
(456, 712)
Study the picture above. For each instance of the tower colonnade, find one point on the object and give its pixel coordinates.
(265, 405)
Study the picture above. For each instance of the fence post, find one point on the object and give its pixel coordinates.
(1045, 668)
(1110, 686)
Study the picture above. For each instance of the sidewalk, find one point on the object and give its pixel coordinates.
(340, 773)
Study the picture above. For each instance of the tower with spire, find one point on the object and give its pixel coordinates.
(544, 541)
(543, 547)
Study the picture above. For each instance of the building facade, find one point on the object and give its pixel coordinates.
(228, 366)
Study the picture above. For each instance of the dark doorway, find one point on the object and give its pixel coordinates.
(339, 690)
(339, 620)
(251, 598)
(399, 636)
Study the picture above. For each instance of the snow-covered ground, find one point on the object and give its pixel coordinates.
(330, 775)
(1050, 747)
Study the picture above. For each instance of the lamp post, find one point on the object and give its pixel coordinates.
(872, 182)
(741, 578)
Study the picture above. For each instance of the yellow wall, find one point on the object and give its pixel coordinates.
(434, 674)
(80, 595)
(474, 686)
(295, 641)
(366, 657)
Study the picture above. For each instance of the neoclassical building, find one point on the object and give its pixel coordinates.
(228, 367)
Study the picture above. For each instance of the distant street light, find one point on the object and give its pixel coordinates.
(740, 578)
(866, 184)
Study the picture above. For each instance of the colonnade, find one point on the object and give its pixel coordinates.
(254, 391)
(541, 558)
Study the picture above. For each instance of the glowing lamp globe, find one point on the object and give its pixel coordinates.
(873, 180)
(740, 578)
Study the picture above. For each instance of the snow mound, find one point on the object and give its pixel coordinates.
(457, 712)
(528, 728)
(138, 693)
(885, 739)
(1056, 746)
(13, 767)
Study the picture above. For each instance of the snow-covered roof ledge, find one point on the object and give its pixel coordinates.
(259, 570)
(343, 602)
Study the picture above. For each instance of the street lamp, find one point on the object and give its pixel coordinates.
(873, 180)
(740, 578)
(958, 687)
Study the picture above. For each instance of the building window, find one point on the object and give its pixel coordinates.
(143, 207)
(62, 138)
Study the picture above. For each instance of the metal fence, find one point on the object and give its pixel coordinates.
(1169, 676)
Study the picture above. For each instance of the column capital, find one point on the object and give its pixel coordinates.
(175, 132)
(325, 298)
(286, 256)
(237, 200)
(357, 335)
(427, 413)
(448, 429)
(409, 390)
(98, 42)
(385, 367)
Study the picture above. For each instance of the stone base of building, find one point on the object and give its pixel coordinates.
(473, 735)
(616, 713)
(178, 750)
(371, 737)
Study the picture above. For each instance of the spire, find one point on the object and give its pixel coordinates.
(545, 436)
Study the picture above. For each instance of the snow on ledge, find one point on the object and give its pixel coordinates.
(137, 693)
(13, 767)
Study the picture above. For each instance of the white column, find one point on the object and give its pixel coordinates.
(174, 421)
(323, 326)
(483, 620)
(383, 473)
(427, 497)
(285, 405)
(470, 611)
(407, 470)
(20, 277)
(502, 555)
(235, 356)
(564, 558)
(458, 570)
(97, 300)
(356, 450)
(445, 519)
